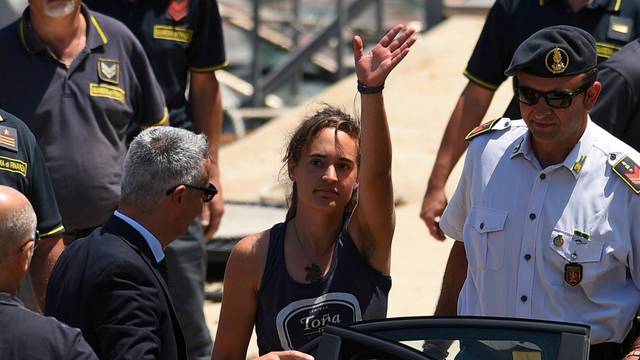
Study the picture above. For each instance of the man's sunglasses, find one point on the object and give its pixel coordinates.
(35, 239)
(559, 99)
(207, 193)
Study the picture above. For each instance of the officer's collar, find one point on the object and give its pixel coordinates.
(611, 5)
(574, 161)
(95, 34)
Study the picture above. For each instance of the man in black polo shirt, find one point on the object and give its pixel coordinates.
(77, 79)
(184, 39)
(22, 167)
(612, 23)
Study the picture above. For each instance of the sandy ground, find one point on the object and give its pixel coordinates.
(419, 95)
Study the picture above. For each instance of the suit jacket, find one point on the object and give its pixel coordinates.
(28, 335)
(110, 286)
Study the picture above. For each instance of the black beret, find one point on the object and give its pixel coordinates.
(555, 51)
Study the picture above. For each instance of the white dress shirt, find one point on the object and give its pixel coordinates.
(154, 243)
(520, 225)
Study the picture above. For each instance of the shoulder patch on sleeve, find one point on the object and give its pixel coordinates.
(627, 169)
(497, 124)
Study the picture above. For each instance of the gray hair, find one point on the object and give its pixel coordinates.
(158, 159)
(15, 227)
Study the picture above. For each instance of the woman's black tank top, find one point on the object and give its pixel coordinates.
(290, 313)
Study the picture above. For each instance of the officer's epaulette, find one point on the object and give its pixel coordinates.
(497, 124)
(627, 169)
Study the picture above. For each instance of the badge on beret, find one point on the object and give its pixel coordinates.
(573, 274)
(9, 138)
(557, 60)
(629, 171)
(178, 9)
(109, 71)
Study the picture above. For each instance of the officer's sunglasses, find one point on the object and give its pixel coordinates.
(207, 193)
(559, 99)
(35, 239)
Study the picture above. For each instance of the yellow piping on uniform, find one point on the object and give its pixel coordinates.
(99, 29)
(23, 38)
(541, 2)
(164, 121)
(480, 82)
(209, 69)
(56, 230)
(617, 7)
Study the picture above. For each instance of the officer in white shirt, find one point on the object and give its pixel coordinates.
(547, 211)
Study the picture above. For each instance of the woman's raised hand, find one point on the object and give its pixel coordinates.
(373, 68)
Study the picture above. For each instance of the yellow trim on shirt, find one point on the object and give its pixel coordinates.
(209, 69)
(99, 29)
(164, 121)
(480, 82)
(59, 229)
(23, 37)
(618, 4)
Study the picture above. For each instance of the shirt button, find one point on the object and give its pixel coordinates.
(532, 216)
(527, 257)
(524, 298)
(481, 226)
(543, 176)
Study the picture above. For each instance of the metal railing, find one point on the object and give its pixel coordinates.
(289, 70)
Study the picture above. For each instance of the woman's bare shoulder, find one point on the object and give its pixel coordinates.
(250, 255)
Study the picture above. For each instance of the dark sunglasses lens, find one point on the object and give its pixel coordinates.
(210, 193)
(558, 100)
(528, 96)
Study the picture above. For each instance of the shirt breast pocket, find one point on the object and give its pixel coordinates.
(570, 248)
(484, 239)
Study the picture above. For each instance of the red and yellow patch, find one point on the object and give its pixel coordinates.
(481, 129)
(629, 171)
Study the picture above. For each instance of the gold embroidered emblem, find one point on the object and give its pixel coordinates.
(108, 91)
(13, 165)
(579, 164)
(557, 61)
(172, 33)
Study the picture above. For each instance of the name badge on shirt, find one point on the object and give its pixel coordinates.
(172, 33)
(620, 28)
(573, 274)
(109, 71)
(9, 138)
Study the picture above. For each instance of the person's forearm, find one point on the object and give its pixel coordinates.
(454, 276)
(375, 137)
(44, 259)
(468, 113)
(206, 108)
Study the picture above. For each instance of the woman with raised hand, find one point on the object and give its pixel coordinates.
(329, 262)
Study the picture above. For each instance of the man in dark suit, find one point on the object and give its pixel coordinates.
(112, 284)
(26, 334)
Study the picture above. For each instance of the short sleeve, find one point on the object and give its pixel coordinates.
(490, 57)
(40, 192)
(455, 214)
(206, 52)
(36, 184)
